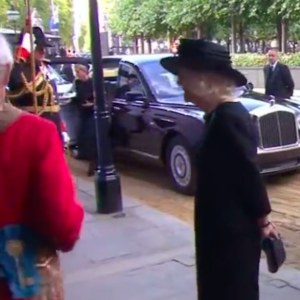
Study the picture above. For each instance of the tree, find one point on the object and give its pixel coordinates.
(153, 19)
(125, 17)
(239, 22)
(82, 38)
(42, 7)
(4, 7)
(66, 20)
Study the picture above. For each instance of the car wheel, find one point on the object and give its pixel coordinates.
(180, 165)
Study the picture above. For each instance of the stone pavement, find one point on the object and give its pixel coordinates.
(145, 255)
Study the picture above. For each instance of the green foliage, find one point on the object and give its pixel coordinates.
(66, 20)
(4, 7)
(129, 24)
(161, 18)
(82, 38)
(249, 60)
(44, 11)
(87, 41)
(255, 59)
(153, 14)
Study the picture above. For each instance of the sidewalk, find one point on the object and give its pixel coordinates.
(145, 255)
(260, 90)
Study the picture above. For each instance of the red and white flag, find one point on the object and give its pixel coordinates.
(24, 49)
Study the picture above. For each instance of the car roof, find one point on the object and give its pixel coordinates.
(136, 59)
(111, 62)
(139, 59)
(82, 60)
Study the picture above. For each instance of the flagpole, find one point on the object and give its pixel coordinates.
(32, 58)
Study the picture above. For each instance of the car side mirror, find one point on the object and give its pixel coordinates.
(63, 76)
(135, 96)
(250, 86)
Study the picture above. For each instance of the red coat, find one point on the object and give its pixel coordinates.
(36, 187)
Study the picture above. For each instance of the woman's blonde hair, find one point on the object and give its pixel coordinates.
(206, 85)
(81, 68)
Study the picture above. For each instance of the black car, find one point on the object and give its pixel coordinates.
(151, 119)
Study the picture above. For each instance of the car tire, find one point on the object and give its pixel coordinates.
(180, 163)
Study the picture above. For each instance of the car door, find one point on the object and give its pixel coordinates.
(128, 115)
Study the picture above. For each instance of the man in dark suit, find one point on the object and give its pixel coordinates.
(278, 78)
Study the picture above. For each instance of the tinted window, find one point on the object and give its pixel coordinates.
(163, 83)
(128, 81)
(53, 75)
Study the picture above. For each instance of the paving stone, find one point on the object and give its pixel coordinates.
(186, 260)
(146, 255)
(86, 193)
(156, 282)
(278, 283)
(268, 292)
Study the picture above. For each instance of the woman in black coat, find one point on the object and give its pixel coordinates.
(85, 101)
(231, 203)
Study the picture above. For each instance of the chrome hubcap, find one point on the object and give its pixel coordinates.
(180, 166)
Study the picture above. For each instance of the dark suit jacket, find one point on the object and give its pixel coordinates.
(279, 82)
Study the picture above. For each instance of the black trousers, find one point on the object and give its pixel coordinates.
(87, 136)
(228, 270)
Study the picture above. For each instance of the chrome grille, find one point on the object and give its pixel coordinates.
(278, 129)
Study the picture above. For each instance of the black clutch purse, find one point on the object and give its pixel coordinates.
(275, 253)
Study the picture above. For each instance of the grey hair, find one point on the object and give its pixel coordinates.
(207, 85)
(80, 67)
(6, 57)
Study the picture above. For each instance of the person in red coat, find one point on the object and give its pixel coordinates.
(38, 203)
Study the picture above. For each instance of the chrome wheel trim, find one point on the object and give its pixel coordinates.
(181, 166)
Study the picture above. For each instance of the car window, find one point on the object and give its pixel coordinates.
(128, 81)
(163, 83)
(53, 75)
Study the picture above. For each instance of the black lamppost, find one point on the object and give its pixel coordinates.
(107, 181)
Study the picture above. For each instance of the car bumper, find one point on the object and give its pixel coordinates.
(279, 161)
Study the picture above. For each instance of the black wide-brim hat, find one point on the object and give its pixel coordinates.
(201, 55)
(40, 38)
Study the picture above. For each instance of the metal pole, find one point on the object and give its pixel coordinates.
(107, 181)
(32, 59)
(52, 7)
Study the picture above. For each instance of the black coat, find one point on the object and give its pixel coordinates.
(21, 73)
(67, 71)
(278, 82)
(87, 134)
(230, 198)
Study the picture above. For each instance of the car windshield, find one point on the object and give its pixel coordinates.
(53, 75)
(165, 86)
